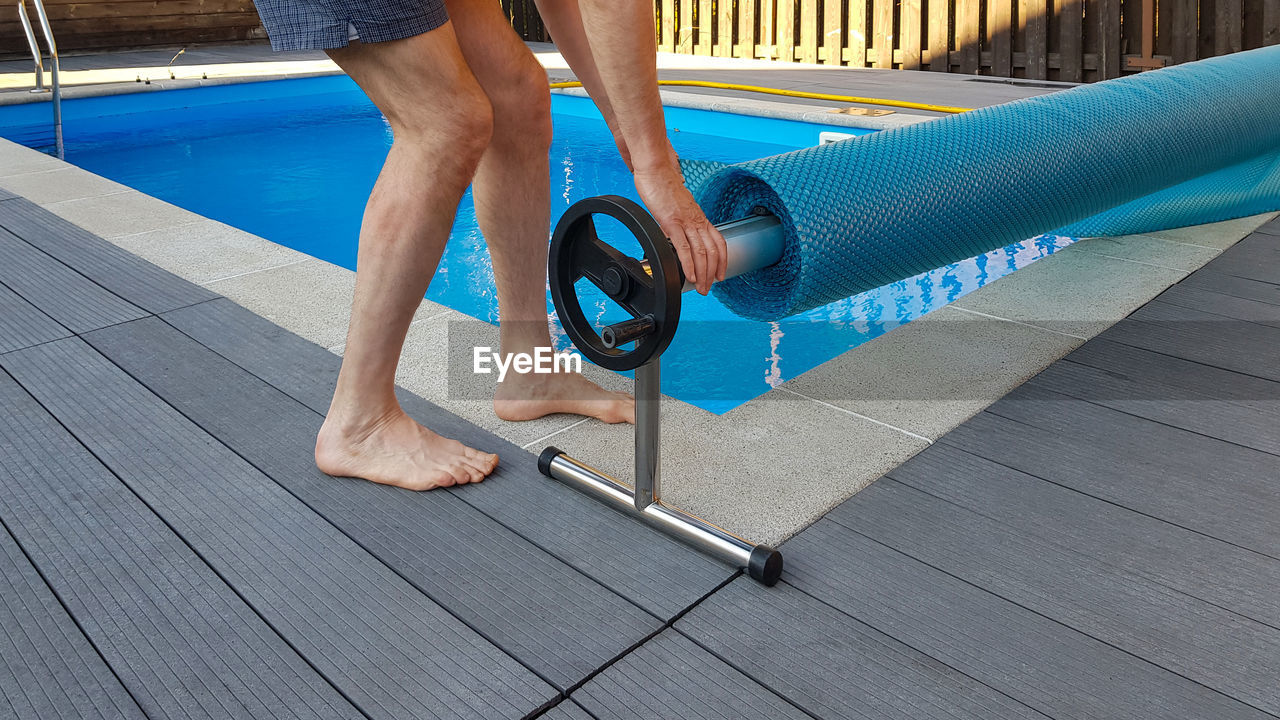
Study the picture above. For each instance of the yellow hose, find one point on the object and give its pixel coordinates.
(796, 94)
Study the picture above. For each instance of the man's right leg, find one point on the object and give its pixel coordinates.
(441, 120)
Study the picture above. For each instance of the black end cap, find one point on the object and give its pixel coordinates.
(544, 460)
(765, 565)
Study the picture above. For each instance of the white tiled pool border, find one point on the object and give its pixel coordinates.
(765, 469)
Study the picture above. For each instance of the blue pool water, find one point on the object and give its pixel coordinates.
(293, 161)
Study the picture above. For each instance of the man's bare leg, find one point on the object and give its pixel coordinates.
(441, 120)
(512, 196)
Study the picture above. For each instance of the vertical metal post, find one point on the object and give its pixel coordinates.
(36, 56)
(648, 439)
(54, 66)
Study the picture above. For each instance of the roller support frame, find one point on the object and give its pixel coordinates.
(753, 243)
(643, 502)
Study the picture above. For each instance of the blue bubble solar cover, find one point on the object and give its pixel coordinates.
(1185, 145)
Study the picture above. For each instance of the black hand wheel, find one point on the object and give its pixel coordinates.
(651, 296)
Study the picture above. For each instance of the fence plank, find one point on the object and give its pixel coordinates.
(967, 49)
(1000, 36)
(857, 24)
(808, 31)
(1071, 41)
(910, 19)
(1033, 16)
(939, 34)
(1108, 31)
(882, 31)
(1184, 28)
(668, 16)
(786, 19)
(684, 27)
(832, 42)
(1228, 26)
(1271, 22)
(746, 29)
(705, 21)
(724, 28)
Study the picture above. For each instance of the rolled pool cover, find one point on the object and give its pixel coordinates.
(1184, 145)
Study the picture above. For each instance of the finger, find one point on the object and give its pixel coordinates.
(715, 252)
(698, 247)
(722, 249)
(681, 244)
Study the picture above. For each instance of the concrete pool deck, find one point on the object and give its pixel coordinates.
(846, 422)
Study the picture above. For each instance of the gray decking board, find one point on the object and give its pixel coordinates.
(1200, 641)
(666, 577)
(552, 618)
(1052, 668)
(1257, 257)
(1220, 573)
(23, 325)
(832, 665)
(670, 675)
(63, 294)
(1229, 306)
(384, 644)
(567, 710)
(123, 273)
(1243, 288)
(1254, 423)
(1271, 228)
(6, 195)
(1203, 337)
(48, 668)
(177, 637)
(1207, 485)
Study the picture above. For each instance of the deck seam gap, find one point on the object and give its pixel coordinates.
(113, 238)
(548, 436)
(953, 444)
(1145, 264)
(58, 596)
(1041, 615)
(207, 283)
(1017, 322)
(1102, 561)
(994, 410)
(181, 537)
(855, 414)
(1187, 359)
(666, 625)
(1219, 250)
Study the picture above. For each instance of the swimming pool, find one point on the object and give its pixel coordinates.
(292, 161)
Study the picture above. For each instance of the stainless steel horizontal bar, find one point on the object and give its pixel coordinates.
(762, 563)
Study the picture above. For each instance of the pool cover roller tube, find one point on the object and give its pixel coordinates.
(1184, 145)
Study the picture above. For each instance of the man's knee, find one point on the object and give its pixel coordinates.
(460, 125)
(522, 105)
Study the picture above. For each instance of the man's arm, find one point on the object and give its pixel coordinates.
(620, 36)
(564, 19)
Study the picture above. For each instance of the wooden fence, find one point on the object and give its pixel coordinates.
(1072, 40)
(93, 25)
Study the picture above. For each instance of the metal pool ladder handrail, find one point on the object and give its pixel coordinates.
(54, 65)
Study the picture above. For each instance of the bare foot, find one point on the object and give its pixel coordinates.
(529, 396)
(395, 450)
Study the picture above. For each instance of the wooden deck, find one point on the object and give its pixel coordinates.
(1102, 543)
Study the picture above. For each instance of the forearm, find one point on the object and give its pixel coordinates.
(621, 39)
(564, 19)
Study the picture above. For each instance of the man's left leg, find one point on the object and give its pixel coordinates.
(513, 199)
